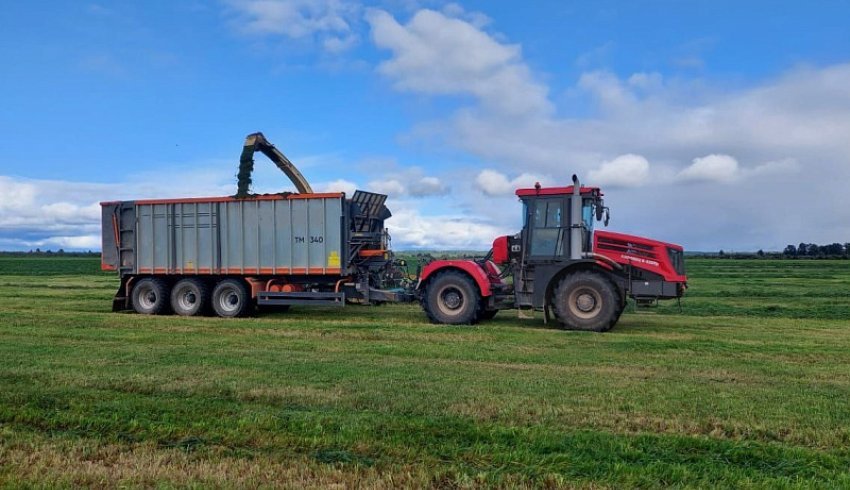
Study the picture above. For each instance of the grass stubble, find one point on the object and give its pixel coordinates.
(747, 386)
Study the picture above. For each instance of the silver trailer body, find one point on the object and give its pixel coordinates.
(297, 234)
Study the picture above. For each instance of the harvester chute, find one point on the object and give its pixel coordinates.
(257, 142)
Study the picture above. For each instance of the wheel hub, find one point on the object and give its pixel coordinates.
(586, 302)
(452, 299)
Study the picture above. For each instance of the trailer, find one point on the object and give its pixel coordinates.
(227, 255)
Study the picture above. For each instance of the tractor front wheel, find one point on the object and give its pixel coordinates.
(586, 300)
(451, 298)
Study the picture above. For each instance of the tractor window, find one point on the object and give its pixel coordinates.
(547, 238)
(587, 214)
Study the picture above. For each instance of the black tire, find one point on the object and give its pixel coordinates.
(150, 296)
(190, 297)
(231, 299)
(621, 308)
(586, 300)
(451, 298)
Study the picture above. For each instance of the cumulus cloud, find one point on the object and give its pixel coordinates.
(494, 183)
(329, 21)
(427, 186)
(726, 169)
(411, 229)
(435, 53)
(624, 171)
(390, 187)
(716, 168)
(339, 185)
(410, 182)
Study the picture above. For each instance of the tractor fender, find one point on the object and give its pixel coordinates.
(470, 267)
(550, 275)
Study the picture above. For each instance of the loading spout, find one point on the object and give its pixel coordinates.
(257, 142)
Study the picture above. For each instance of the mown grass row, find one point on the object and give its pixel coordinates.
(378, 397)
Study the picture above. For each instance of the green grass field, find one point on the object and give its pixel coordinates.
(747, 386)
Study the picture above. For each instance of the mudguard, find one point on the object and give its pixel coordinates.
(478, 274)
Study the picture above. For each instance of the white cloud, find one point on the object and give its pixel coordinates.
(339, 185)
(725, 169)
(338, 44)
(411, 229)
(408, 182)
(390, 187)
(712, 168)
(477, 19)
(427, 186)
(437, 54)
(329, 21)
(494, 183)
(624, 171)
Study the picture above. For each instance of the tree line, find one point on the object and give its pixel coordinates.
(49, 253)
(815, 250)
(801, 251)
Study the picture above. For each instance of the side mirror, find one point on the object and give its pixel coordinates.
(600, 208)
(607, 216)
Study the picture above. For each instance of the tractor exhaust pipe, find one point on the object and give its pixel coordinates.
(576, 223)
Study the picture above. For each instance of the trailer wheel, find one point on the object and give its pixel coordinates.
(586, 301)
(190, 297)
(231, 299)
(451, 298)
(150, 296)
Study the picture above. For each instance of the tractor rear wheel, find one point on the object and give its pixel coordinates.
(451, 298)
(150, 296)
(586, 300)
(190, 297)
(231, 299)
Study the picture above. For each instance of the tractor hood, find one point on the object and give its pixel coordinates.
(662, 258)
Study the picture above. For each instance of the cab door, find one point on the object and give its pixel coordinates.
(547, 223)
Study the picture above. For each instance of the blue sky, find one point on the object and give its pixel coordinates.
(697, 118)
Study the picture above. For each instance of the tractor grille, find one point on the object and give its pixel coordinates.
(677, 258)
(616, 245)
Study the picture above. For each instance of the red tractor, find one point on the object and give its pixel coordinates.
(557, 264)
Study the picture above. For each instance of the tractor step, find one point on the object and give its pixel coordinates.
(274, 298)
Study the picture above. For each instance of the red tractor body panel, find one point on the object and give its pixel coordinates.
(500, 250)
(485, 277)
(642, 253)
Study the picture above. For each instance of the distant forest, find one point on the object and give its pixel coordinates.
(801, 251)
(50, 253)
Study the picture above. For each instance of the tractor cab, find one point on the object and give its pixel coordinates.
(549, 227)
